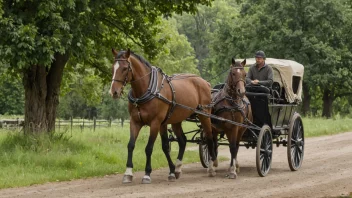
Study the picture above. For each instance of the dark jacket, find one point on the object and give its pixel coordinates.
(264, 75)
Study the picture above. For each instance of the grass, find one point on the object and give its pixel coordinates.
(320, 126)
(27, 160)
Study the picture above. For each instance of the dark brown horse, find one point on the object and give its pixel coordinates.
(232, 104)
(156, 100)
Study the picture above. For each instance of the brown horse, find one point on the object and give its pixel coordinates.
(156, 100)
(232, 104)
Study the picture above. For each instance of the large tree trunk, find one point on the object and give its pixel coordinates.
(42, 89)
(328, 99)
(306, 99)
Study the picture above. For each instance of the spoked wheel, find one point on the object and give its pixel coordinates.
(295, 143)
(203, 150)
(264, 151)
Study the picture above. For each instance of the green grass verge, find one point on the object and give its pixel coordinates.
(27, 160)
(320, 126)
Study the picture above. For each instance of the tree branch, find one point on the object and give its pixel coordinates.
(121, 29)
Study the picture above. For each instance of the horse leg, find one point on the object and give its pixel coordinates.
(206, 124)
(236, 151)
(215, 140)
(239, 136)
(154, 129)
(233, 147)
(182, 140)
(165, 146)
(134, 131)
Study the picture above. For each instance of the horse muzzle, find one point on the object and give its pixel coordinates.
(115, 94)
(241, 92)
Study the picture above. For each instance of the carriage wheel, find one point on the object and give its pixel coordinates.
(203, 150)
(264, 151)
(295, 144)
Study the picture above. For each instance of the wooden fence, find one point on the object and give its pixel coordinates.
(11, 123)
(68, 124)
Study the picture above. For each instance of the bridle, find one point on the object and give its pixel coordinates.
(234, 83)
(124, 82)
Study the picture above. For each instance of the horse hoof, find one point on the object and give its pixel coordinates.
(127, 179)
(178, 175)
(172, 178)
(146, 180)
(215, 163)
(232, 176)
(211, 174)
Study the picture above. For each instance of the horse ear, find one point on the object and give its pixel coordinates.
(128, 53)
(243, 63)
(114, 52)
(233, 61)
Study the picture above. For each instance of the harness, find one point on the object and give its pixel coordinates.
(152, 91)
(237, 103)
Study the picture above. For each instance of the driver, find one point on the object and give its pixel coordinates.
(260, 73)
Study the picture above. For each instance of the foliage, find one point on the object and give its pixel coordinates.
(11, 93)
(178, 55)
(37, 38)
(81, 93)
(32, 32)
(200, 28)
(113, 109)
(314, 33)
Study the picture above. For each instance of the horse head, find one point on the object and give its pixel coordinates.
(121, 72)
(236, 79)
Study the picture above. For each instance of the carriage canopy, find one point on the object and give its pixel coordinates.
(289, 74)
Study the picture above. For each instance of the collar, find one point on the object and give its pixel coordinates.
(261, 67)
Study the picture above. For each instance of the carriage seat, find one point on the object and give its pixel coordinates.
(257, 90)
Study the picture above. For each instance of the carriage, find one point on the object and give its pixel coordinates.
(156, 100)
(275, 118)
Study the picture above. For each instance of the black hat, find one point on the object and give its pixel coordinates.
(260, 54)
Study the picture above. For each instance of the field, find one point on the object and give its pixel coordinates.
(27, 160)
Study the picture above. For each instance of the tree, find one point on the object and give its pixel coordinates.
(112, 109)
(38, 38)
(177, 55)
(11, 93)
(313, 33)
(200, 27)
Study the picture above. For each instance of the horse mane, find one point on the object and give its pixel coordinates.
(139, 57)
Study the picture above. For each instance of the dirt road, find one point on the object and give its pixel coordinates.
(326, 172)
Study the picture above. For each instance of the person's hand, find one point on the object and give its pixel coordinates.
(255, 82)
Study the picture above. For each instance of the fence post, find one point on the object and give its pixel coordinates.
(94, 123)
(83, 125)
(18, 123)
(59, 124)
(110, 122)
(71, 123)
